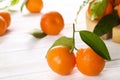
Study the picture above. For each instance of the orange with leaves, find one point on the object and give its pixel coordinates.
(52, 23)
(88, 62)
(34, 6)
(108, 10)
(61, 60)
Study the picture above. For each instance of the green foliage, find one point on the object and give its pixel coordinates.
(14, 2)
(38, 33)
(64, 41)
(106, 24)
(95, 43)
(97, 8)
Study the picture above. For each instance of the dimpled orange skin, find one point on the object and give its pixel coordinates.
(88, 62)
(52, 23)
(34, 6)
(6, 16)
(60, 60)
(3, 26)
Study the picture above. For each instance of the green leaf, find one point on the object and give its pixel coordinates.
(12, 11)
(14, 2)
(95, 43)
(65, 41)
(97, 8)
(23, 4)
(106, 24)
(38, 33)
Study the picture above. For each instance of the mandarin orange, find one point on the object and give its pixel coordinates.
(6, 16)
(61, 60)
(52, 23)
(3, 26)
(34, 6)
(88, 62)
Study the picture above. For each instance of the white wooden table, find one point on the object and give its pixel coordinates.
(22, 57)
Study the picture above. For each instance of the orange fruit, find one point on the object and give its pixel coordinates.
(60, 60)
(118, 11)
(52, 23)
(88, 62)
(3, 26)
(108, 10)
(34, 6)
(6, 16)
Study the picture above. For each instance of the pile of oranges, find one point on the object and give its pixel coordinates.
(51, 23)
(60, 59)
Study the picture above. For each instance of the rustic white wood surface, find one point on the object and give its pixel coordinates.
(22, 57)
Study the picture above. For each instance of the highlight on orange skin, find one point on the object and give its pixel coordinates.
(34, 6)
(3, 26)
(6, 16)
(88, 62)
(60, 60)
